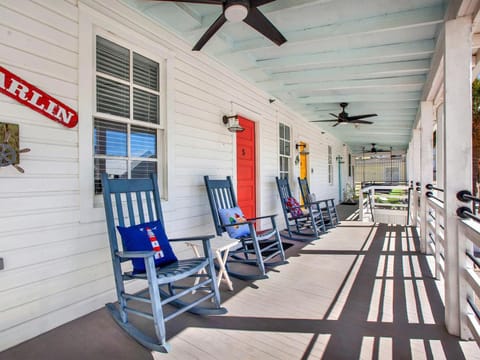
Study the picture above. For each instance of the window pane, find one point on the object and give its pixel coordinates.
(109, 138)
(282, 131)
(145, 106)
(287, 132)
(287, 148)
(113, 167)
(113, 97)
(143, 142)
(143, 169)
(282, 147)
(113, 59)
(145, 72)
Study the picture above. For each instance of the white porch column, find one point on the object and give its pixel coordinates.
(426, 168)
(457, 139)
(440, 146)
(416, 162)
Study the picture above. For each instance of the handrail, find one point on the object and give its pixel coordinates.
(370, 199)
(431, 187)
(466, 196)
(466, 213)
(474, 307)
(473, 258)
(430, 195)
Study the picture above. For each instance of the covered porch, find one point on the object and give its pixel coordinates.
(363, 291)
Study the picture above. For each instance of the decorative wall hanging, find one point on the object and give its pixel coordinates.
(10, 146)
(36, 99)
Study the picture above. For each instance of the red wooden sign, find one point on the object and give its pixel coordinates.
(36, 99)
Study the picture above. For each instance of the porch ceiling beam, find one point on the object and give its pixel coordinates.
(406, 107)
(341, 30)
(377, 97)
(370, 55)
(188, 10)
(367, 134)
(403, 68)
(408, 83)
(383, 115)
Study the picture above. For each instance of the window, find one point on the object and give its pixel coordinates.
(284, 136)
(350, 166)
(127, 126)
(330, 165)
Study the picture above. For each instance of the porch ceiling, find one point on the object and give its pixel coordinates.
(375, 55)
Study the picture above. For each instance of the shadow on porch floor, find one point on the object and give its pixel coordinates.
(361, 291)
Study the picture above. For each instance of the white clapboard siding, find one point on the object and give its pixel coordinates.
(23, 239)
(58, 268)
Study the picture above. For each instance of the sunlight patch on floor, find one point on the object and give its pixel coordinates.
(242, 344)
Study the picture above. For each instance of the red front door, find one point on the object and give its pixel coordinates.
(246, 168)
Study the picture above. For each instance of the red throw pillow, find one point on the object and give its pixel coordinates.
(293, 207)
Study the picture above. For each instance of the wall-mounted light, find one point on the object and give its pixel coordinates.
(233, 125)
(302, 147)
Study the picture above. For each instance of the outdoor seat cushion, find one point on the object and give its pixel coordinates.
(293, 207)
(234, 216)
(147, 237)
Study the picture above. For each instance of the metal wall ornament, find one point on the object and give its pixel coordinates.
(10, 146)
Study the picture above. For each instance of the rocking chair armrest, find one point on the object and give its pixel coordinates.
(262, 217)
(316, 202)
(194, 238)
(135, 254)
(240, 223)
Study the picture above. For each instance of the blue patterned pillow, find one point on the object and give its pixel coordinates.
(234, 216)
(147, 237)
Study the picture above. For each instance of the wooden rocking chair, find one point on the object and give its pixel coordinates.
(136, 202)
(326, 206)
(256, 248)
(307, 222)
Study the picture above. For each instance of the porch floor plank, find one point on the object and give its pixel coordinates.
(360, 291)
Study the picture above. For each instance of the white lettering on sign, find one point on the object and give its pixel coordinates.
(29, 95)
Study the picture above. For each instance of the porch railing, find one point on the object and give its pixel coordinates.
(469, 240)
(384, 203)
(435, 228)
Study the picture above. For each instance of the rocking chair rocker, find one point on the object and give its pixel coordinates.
(136, 202)
(256, 248)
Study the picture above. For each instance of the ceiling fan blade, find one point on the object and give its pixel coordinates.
(255, 3)
(357, 117)
(259, 22)
(215, 2)
(338, 123)
(210, 32)
(334, 115)
(360, 122)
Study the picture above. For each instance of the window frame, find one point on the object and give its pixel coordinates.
(91, 24)
(130, 122)
(286, 158)
(330, 164)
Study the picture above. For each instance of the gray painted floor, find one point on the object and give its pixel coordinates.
(361, 291)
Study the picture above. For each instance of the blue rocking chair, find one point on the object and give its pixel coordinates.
(307, 222)
(136, 202)
(326, 206)
(256, 248)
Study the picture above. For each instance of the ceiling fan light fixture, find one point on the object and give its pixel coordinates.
(236, 12)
